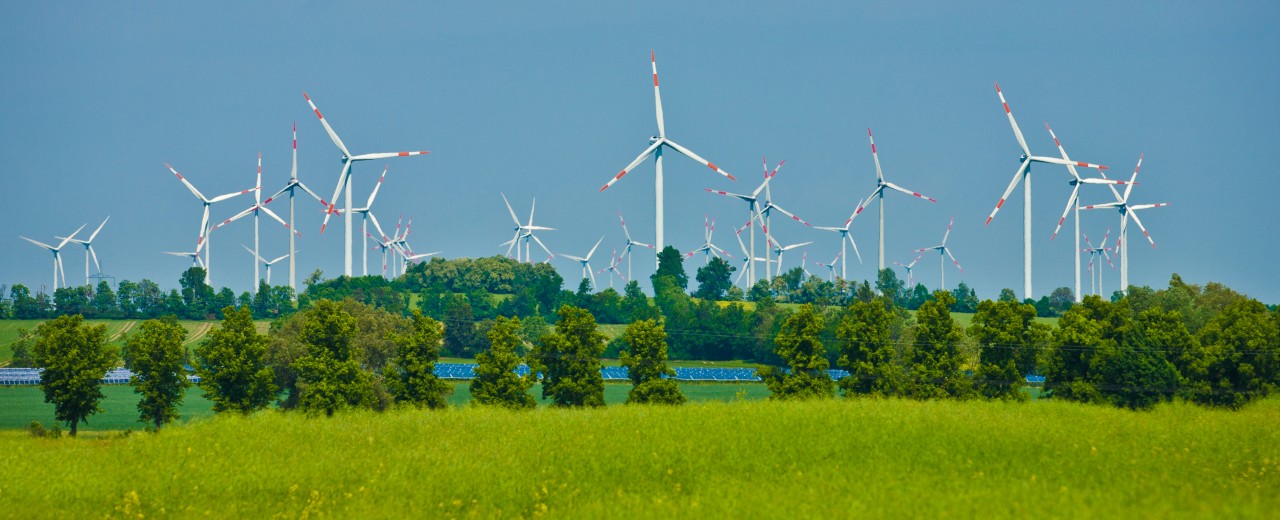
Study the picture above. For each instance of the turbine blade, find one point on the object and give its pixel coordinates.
(337, 190)
(193, 189)
(643, 155)
(94, 254)
(1012, 184)
(95, 232)
(1013, 123)
(387, 155)
(1075, 194)
(876, 156)
(1138, 221)
(909, 192)
(36, 242)
(332, 135)
(71, 236)
(689, 153)
(273, 215)
(657, 96)
(376, 186)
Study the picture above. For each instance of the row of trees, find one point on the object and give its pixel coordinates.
(195, 300)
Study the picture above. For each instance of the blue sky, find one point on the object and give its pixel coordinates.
(549, 100)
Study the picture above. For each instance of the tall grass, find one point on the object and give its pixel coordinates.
(869, 458)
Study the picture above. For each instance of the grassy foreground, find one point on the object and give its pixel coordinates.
(866, 458)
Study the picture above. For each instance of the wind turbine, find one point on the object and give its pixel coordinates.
(831, 267)
(630, 242)
(765, 213)
(1074, 200)
(753, 207)
(294, 184)
(586, 262)
(845, 236)
(1127, 212)
(613, 269)
(88, 250)
(257, 206)
(364, 222)
(205, 202)
(707, 248)
(265, 262)
(194, 255)
(1024, 174)
(746, 255)
(656, 145)
(524, 231)
(780, 249)
(57, 255)
(1101, 250)
(344, 179)
(910, 279)
(402, 247)
(942, 249)
(878, 194)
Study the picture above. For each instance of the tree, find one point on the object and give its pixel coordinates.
(232, 365)
(1007, 295)
(1060, 300)
(155, 356)
(23, 357)
(75, 357)
(496, 381)
(646, 364)
(196, 294)
(760, 292)
(104, 301)
(966, 299)
(1008, 338)
(459, 327)
(71, 300)
(888, 284)
(1084, 330)
(867, 349)
(24, 306)
(1241, 356)
(919, 295)
(569, 360)
(933, 370)
(329, 374)
(671, 263)
(635, 304)
(416, 355)
(799, 346)
(714, 279)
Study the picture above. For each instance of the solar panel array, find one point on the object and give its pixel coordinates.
(120, 376)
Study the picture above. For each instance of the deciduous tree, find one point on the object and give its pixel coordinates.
(496, 381)
(155, 354)
(646, 364)
(799, 346)
(75, 357)
(867, 349)
(415, 381)
(330, 377)
(232, 365)
(569, 360)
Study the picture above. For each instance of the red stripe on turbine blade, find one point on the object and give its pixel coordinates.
(713, 166)
(999, 204)
(619, 175)
(403, 154)
(655, 80)
(793, 217)
(1006, 107)
(859, 212)
(732, 178)
(873, 147)
(268, 201)
(988, 221)
(318, 114)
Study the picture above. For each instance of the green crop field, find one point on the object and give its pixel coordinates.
(19, 405)
(835, 459)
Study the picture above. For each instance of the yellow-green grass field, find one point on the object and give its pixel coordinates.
(755, 459)
(19, 405)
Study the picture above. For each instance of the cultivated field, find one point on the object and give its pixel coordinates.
(835, 459)
(117, 331)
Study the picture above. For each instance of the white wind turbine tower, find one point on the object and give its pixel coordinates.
(630, 242)
(57, 255)
(525, 232)
(344, 180)
(88, 250)
(657, 143)
(707, 248)
(266, 263)
(1103, 251)
(845, 237)
(205, 202)
(1127, 212)
(746, 255)
(753, 207)
(942, 250)
(586, 263)
(364, 222)
(1074, 201)
(1024, 174)
(258, 206)
(294, 184)
(908, 267)
(831, 267)
(878, 195)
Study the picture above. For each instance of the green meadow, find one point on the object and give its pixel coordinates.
(833, 459)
